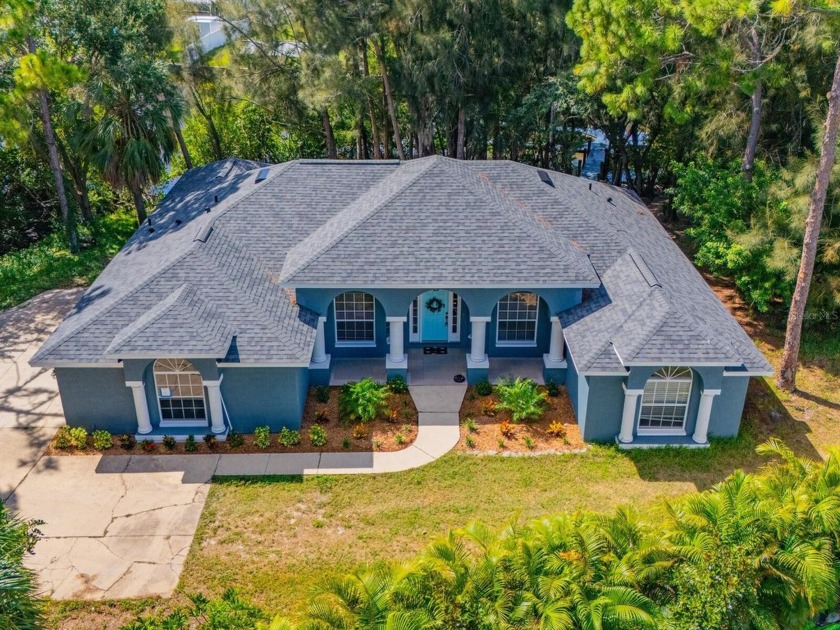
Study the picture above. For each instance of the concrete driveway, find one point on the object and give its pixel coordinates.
(114, 526)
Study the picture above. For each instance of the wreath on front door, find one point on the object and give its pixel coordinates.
(434, 305)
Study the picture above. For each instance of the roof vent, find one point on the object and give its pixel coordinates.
(177, 221)
(151, 230)
(215, 198)
(261, 176)
(204, 233)
(590, 185)
(546, 179)
(207, 209)
(609, 199)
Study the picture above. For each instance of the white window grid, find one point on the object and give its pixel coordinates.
(516, 319)
(665, 401)
(184, 390)
(355, 319)
(453, 308)
(415, 317)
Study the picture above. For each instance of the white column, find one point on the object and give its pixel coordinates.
(628, 416)
(478, 333)
(141, 406)
(556, 349)
(214, 399)
(397, 352)
(704, 414)
(319, 354)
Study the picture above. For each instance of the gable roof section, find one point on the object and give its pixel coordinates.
(183, 324)
(436, 221)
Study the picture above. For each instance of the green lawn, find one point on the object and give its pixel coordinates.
(49, 264)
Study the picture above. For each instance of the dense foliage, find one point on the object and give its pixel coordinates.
(20, 609)
(757, 551)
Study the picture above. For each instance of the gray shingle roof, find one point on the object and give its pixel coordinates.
(211, 283)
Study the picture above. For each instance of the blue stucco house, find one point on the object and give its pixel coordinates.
(251, 282)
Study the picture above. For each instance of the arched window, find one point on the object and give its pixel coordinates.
(355, 319)
(180, 391)
(516, 319)
(665, 401)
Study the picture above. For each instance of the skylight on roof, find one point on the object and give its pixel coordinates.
(261, 176)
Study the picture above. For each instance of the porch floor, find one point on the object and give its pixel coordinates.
(346, 370)
(516, 367)
(436, 369)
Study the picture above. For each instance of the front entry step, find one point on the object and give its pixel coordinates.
(184, 424)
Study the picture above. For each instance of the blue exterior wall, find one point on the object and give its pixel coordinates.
(265, 396)
(578, 388)
(605, 404)
(96, 398)
(728, 407)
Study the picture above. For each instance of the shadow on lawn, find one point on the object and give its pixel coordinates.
(765, 416)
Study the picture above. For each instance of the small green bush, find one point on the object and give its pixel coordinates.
(397, 385)
(128, 441)
(470, 442)
(399, 438)
(288, 437)
(553, 389)
(78, 437)
(529, 443)
(210, 440)
(62, 438)
(262, 437)
(148, 445)
(235, 439)
(169, 443)
(363, 401)
(317, 435)
(190, 446)
(345, 443)
(522, 398)
(102, 440)
(472, 427)
(483, 388)
(322, 394)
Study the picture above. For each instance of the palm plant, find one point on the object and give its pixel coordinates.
(133, 137)
(19, 606)
(364, 400)
(522, 398)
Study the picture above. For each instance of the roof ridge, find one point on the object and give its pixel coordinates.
(656, 291)
(302, 255)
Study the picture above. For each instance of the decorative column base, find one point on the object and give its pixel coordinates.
(554, 371)
(479, 370)
(320, 372)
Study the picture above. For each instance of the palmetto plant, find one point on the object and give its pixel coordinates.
(522, 398)
(19, 607)
(363, 401)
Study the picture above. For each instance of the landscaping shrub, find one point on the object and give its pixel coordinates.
(522, 398)
(235, 439)
(529, 443)
(229, 612)
(190, 446)
(345, 443)
(210, 440)
(557, 429)
(360, 431)
(483, 388)
(78, 437)
(289, 437)
(506, 429)
(397, 385)
(552, 388)
(393, 416)
(148, 445)
(128, 441)
(321, 416)
(322, 394)
(20, 607)
(102, 440)
(489, 408)
(472, 427)
(317, 435)
(470, 442)
(62, 438)
(399, 438)
(363, 401)
(262, 437)
(169, 442)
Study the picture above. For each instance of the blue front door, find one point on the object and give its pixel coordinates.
(434, 306)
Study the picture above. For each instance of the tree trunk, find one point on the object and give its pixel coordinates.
(389, 98)
(329, 138)
(460, 143)
(55, 163)
(790, 357)
(139, 202)
(184, 151)
(211, 126)
(374, 125)
(755, 121)
(752, 139)
(497, 141)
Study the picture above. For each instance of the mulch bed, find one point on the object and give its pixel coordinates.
(485, 439)
(381, 434)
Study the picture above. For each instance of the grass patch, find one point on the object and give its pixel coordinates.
(49, 264)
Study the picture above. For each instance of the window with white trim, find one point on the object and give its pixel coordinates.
(516, 319)
(665, 401)
(180, 392)
(355, 323)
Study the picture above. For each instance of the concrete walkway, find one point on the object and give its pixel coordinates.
(119, 526)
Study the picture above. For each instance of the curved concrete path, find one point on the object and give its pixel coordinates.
(119, 526)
